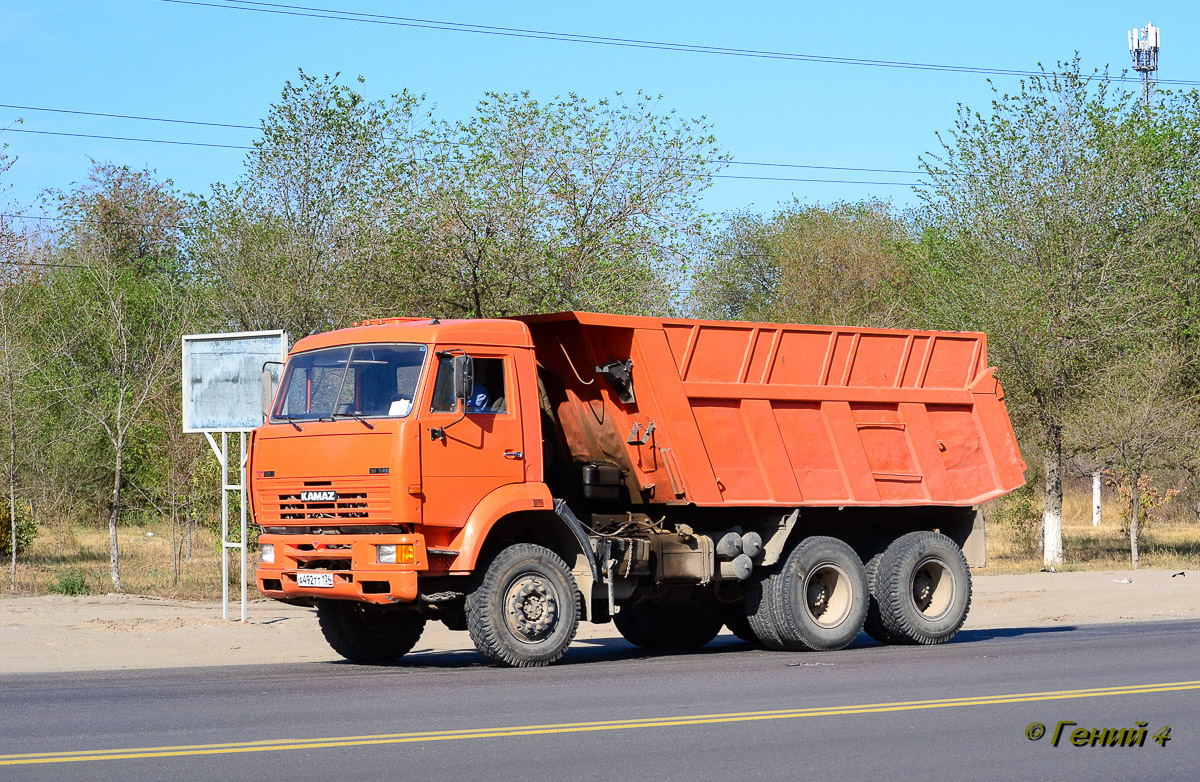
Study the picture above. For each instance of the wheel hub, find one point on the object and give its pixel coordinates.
(532, 609)
(933, 588)
(828, 595)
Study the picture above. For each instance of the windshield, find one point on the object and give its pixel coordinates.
(356, 380)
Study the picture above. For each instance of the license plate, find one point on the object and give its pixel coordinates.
(314, 579)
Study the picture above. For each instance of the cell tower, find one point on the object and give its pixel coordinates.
(1143, 47)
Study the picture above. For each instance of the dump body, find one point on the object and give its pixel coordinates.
(757, 414)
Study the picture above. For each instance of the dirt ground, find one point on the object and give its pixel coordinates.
(55, 633)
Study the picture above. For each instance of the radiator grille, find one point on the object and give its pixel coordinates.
(359, 500)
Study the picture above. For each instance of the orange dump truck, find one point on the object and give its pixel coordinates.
(513, 477)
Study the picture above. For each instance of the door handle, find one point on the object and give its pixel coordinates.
(514, 455)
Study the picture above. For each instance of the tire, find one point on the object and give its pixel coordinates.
(675, 627)
(523, 611)
(819, 598)
(369, 634)
(874, 626)
(924, 589)
(739, 624)
(629, 628)
(758, 612)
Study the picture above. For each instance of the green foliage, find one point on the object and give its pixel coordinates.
(1035, 232)
(1021, 513)
(295, 243)
(26, 528)
(73, 581)
(1060, 224)
(567, 204)
(845, 264)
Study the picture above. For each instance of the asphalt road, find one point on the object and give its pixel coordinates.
(611, 712)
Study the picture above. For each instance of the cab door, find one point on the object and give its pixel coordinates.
(475, 452)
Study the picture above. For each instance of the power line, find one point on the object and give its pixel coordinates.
(127, 138)
(285, 9)
(252, 127)
(14, 216)
(126, 116)
(830, 181)
(826, 168)
(715, 176)
(46, 264)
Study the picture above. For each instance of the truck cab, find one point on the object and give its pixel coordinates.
(369, 467)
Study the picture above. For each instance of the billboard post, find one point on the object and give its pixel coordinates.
(222, 394)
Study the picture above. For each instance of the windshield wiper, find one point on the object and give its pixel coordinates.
(292, 421)
(355, 416)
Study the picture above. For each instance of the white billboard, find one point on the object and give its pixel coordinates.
(222, 378)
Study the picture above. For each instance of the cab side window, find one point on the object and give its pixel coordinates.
(488, 395)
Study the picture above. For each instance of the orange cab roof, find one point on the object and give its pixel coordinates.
(485, 331)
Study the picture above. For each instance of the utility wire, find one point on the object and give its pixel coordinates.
(714, 176)
(127, 116)
(127, 138)
(44, 263)
(252, 127)
(286, 9)
(830, 181)
(168, 227)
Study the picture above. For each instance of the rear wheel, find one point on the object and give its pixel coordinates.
(874, 625)
(758, 611)
(369, 634)
(819, 598)
(522, 611)
(924, 588)
(678, 626)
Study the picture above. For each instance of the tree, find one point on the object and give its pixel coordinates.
(106, 323)
(9, 357)
(568, 204)
(1140, 413)
(848, 263)
(738, 276)
(1035, 231)
(294, 243)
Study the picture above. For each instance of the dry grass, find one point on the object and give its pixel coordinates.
(65, 555)
(1172, 544)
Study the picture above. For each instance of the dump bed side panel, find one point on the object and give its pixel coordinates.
(770, 414)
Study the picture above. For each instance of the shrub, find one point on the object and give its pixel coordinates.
(73, 581)
(1021, 513)
(1151, 499)
(26, 529)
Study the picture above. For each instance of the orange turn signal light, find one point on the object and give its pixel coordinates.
(405, 554)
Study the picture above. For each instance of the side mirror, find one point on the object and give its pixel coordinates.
(267, 392)
(267, 387)
(464, 378)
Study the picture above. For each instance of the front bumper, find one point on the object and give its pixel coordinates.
(350, 560)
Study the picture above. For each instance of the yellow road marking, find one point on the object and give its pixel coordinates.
(279, 745)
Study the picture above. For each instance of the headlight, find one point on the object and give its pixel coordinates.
(386, 554)
(266, 552)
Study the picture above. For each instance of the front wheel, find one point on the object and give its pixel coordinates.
(522, 611)
(369, 634)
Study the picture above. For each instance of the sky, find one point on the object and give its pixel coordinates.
(222, 61)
